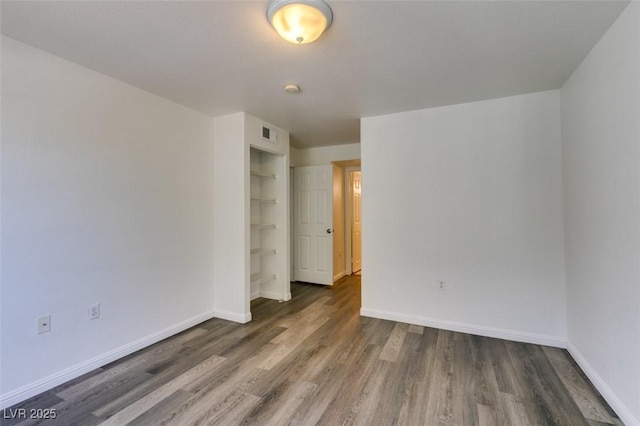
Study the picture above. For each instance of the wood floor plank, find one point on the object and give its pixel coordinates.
(565, 408)
(281, 404)
(413, 410)
(216, 398)
(363, 408)
(440, 396)
(372, 332)
(398, 383)
(314, 310)
(503, 368)
(292, 368)
(486, 384)
(170, 370)
(516, 412)
(286, 343)
(162, 412)
(417, 329)
(310, 414)
(486, 416)
(377, 331)
(464, 387)
(332, 350)
(44, 401)
(141, 405)
(546, 397)
(617, 422)
(251, 343)
(236, 413)
(150, 356)
(79, 408)
(393, 346)
(342, 401)
(315, 360)
(530, 399)
(588, 401)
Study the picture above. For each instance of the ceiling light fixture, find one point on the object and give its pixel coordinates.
(299, 21)
(292, 89)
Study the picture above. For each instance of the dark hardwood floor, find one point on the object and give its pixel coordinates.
(314, 360)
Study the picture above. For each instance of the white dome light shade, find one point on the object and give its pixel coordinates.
(299, 21)
(292, 88)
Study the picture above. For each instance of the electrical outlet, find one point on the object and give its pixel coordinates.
(94, 311)
(441, 286)
(44, 324)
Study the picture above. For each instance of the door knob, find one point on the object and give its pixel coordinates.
(329, 231)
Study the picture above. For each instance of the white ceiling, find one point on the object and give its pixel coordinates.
(378, 57)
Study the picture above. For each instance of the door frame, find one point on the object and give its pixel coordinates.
(348, 193)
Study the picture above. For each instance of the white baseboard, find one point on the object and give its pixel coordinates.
(607, 393)
(274, 295)
(25, 392)
(233, 316)
(339, 275)
(479, 330)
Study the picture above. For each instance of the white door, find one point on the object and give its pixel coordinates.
(313, 224)
(356, 222)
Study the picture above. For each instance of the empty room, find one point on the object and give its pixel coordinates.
(320, 212)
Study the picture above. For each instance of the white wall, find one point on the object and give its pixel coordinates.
(231, 280)
(107, 197)
(601, 165)
(324, 154)
(469, 194)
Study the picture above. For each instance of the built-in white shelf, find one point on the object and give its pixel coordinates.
(261, 278)
(268, 254)
(263, 225)
(262, 251)
(263, 174)
(264, 200)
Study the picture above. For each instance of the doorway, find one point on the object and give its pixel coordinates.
(355, 213)
(345, 231)
(352, 217)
